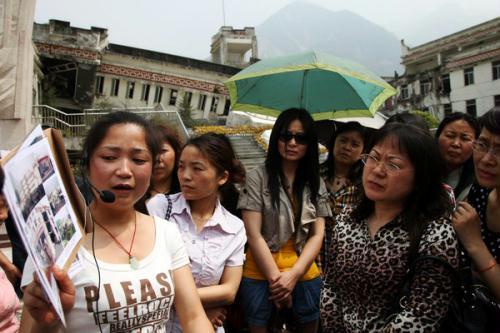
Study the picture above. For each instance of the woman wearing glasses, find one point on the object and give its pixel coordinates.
(401, 215)
(477, 221)
(283, 206)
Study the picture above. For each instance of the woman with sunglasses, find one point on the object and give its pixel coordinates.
(477, 221)
(401, 216)
(283, 206)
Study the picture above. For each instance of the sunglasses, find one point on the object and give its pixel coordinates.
(300, 138)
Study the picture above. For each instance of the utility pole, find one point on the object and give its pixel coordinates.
(223, 14)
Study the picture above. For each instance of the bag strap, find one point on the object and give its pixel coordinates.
(453, 272)
(169, 207)
(405, 285)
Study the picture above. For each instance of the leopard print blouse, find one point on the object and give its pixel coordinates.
(364, 275)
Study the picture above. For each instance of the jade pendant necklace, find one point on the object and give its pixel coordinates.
(133, 262)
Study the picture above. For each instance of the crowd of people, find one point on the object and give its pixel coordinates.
(391, 233)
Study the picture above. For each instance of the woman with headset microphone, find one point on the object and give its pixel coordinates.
(125, 281)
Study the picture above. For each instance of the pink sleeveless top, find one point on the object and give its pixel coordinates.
(9, 304)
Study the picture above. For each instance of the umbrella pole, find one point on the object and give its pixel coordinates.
(302, 89)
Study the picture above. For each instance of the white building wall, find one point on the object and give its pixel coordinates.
(122, 101)
(483, 89)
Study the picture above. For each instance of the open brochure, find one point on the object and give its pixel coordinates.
(42, 210)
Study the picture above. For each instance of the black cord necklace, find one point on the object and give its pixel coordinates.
(339, 179)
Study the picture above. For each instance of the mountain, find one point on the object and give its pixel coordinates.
(302, 26)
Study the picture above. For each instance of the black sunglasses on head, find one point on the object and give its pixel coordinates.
(300, 138)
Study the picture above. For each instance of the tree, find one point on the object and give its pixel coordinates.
(431, 121)
(185, 110)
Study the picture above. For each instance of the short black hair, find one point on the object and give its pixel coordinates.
(455, 116)
(491, 120)
(467, 173)
(409, 119)
(355, 171)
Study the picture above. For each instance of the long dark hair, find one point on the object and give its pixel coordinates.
(1, 179)
(308, 170)
(428, 199)
(98, 132)
(217, 149)
(467, 174)
(161, 134)
(354, 174)
(100, 128)
(164, 134)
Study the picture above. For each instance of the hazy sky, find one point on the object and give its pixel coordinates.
(185, 27)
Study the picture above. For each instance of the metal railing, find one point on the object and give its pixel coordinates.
(70, 124)
(74, 125)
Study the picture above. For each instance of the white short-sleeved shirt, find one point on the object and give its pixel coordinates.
(131, 300)
(219, 244)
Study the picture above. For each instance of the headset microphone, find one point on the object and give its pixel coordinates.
(105, 195)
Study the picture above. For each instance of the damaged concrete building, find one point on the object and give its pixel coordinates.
(459, 72)
(82, 70)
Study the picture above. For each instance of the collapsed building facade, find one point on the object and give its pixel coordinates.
(459, 72)
(82, 70)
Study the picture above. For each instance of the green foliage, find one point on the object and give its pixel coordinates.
(431, 121)
(185, 109)
(104, 104)
(49, 97)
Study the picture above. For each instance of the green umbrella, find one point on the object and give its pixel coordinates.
(327, 86)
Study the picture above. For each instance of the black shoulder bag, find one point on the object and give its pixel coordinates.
(472, 308)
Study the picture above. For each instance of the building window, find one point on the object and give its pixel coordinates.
(445, 84)
(201, 102)
(158, 94)
(189, 96)
(173, 97)
(403, 93)
(495, 67)
(145, 92)
(99, 85)
(425, 87)
(470, 106)
(130, 90)
(496, 100)
(469, 76)
(215, 103)
(447, 109)
(115, 87)
(227, 106)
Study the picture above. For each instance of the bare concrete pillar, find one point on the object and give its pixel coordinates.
(16, 70)
(208, 104)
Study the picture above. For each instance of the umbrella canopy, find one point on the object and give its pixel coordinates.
(327, 86)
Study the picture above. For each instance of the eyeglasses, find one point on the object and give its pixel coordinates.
(300, 138)
(372, 162)
(483, 148)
